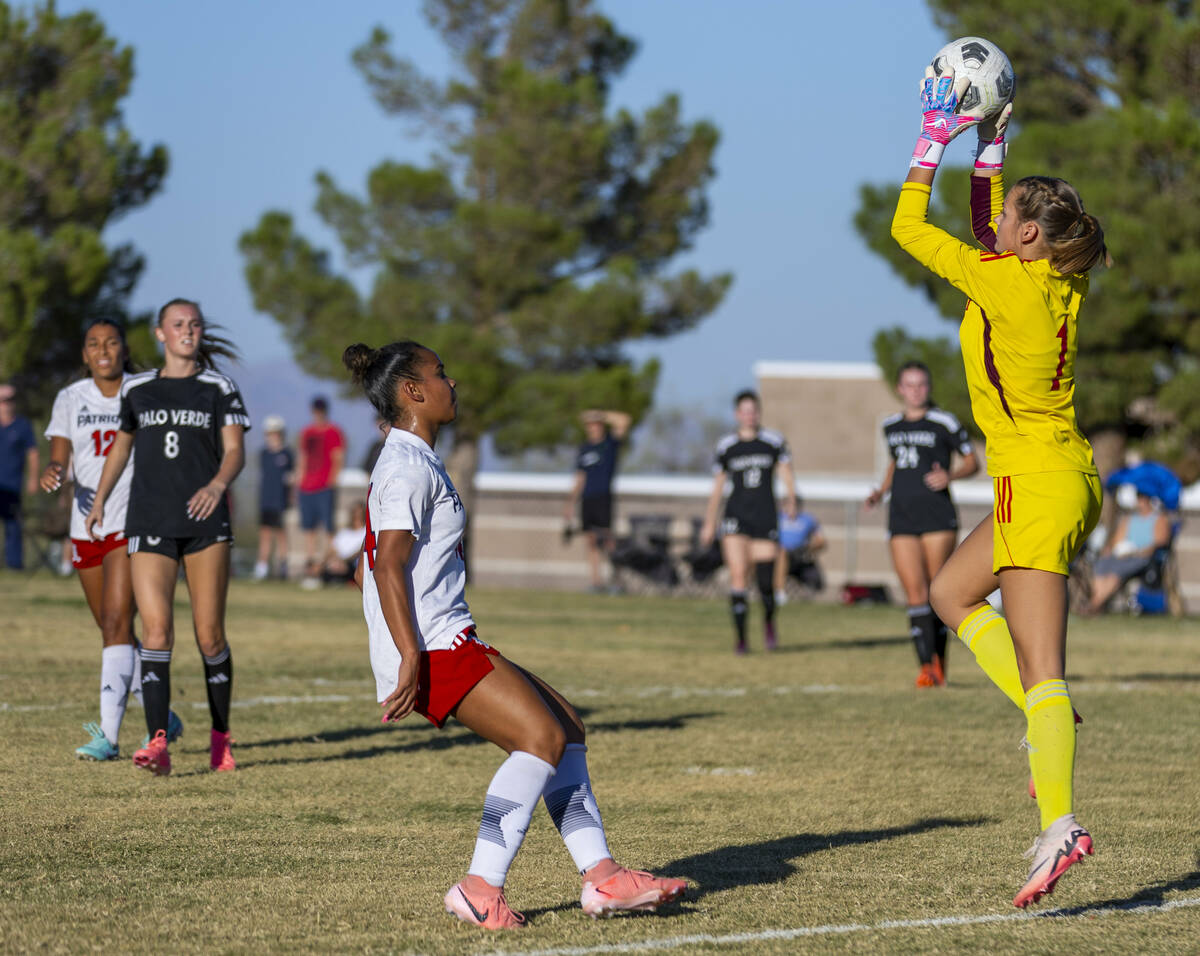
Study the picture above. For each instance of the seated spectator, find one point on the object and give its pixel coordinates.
(1129, 552)
(800, 538)
(345, 548)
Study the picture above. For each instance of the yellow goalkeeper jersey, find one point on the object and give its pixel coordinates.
(1018, 338)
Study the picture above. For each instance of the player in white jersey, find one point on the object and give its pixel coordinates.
(426, 655)
(83, 424)
(187, 422)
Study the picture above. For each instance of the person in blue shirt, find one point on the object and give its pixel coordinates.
(276, 464)
(18, 467)
(595, 467)
(1129, 551)
(800, 538)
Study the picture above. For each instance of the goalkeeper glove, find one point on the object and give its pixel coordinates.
(940, 123)
(992, 148)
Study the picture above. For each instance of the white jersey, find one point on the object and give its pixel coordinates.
(90, 422)
(410, 491)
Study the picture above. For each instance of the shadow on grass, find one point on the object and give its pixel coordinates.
(840, 644)
(1148, 897)
(429, 742)
(770, 861)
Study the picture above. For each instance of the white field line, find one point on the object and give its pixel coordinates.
(674, 942)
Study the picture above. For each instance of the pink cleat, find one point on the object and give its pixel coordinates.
(628, 890)
(220, 757)
(154, 756)
(489, 910)
(770, 641)
(1057, 848)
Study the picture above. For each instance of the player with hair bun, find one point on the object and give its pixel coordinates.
(922, 520)
(427, 657)
(83, 426)
(748, 458)
(1019, 339)
(186, 422)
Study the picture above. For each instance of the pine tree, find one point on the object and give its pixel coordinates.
(68, 168)
(530, 248)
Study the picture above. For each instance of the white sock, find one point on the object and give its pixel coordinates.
(135, 689)
(116, 675)
(507, 810)
(572, 807)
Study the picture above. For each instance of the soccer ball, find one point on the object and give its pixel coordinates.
(992, 79)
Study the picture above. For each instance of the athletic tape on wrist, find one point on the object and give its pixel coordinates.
(927, 154)
(990, 155)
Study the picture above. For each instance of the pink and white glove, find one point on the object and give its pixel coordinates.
(992, 148)
(940, 96)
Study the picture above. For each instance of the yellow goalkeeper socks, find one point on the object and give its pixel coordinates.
(986, 635)
(1051, 736)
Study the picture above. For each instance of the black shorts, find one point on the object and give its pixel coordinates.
(922, 514)
(595, 514)
(760, 527)
(173, 548)
(270, 518)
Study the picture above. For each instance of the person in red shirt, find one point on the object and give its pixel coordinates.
(322, 449)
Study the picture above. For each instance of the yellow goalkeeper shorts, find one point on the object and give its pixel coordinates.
(1042, 520)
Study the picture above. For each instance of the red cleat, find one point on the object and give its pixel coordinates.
(220, 757)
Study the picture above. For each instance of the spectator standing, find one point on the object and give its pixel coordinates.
(595, 468)
(277, 464)
(18, 468)
(322, 453)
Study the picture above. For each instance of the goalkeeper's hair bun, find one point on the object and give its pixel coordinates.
(380, 371)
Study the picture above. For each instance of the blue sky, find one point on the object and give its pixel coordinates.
(812, 99)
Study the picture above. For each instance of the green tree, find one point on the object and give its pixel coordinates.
(68, 168)
(532, 246)
(1108, 97)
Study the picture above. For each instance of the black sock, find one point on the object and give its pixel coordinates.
(218, 681)
(737, 603)
(939, 638)
(156, 688)
(764, 574)
(920, 626)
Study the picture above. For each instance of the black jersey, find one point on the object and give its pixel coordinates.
(176, 426)
(916, 446)
(750, 466)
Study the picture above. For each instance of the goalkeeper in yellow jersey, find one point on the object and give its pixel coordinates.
(1018, 337)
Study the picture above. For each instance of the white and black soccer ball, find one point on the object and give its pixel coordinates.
(993, 81)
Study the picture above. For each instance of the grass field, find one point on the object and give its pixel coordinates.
(812, 798)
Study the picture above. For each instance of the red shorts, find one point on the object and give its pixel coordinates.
(90, 554)
(445, 677)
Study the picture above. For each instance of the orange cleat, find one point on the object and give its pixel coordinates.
(927, 677)
(489, 910)
(939, 670)
(627, 891)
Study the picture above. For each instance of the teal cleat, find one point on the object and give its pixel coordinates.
(174, 729)
(98, 748)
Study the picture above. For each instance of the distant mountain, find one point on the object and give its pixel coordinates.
(280, 387)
